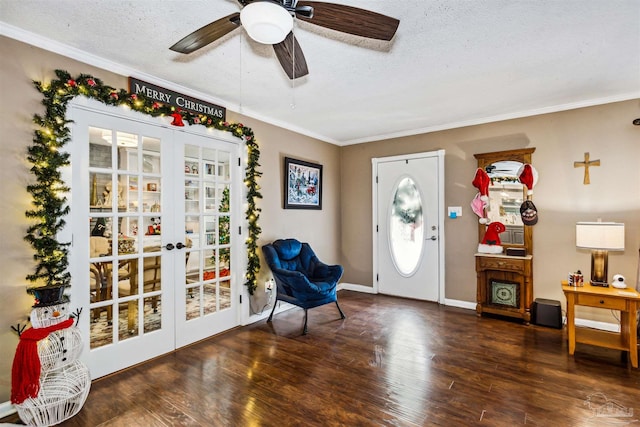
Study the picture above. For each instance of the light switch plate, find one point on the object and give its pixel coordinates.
(454, 211)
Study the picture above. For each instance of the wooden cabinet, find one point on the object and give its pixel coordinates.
(505, 285)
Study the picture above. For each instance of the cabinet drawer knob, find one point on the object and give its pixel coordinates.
(601, 301)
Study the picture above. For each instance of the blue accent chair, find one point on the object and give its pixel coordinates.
(301, 278)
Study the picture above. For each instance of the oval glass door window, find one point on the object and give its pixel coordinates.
(406, 227)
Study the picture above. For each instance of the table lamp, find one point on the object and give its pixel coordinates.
(600, 237)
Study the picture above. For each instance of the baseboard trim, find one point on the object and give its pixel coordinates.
(282, 306)
(356, 288)
(605, 326)
(460, 304)
(6, 409)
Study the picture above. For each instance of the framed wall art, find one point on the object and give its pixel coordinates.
(302, 184)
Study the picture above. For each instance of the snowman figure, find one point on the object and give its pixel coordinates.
(49, 384)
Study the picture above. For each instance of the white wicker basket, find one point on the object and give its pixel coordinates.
(59, 348)
(62, 394)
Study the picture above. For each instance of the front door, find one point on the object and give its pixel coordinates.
(408, 242)
(151, 213)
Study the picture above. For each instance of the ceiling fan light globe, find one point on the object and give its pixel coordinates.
(266, 22)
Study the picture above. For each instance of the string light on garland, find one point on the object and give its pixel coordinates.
(48, 192)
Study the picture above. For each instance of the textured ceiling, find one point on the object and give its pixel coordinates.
(452, 62)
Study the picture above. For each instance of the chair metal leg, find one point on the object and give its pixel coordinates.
(342, 316)
(304, 331)
(272, 310)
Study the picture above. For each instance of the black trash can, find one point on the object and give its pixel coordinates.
(547, 312)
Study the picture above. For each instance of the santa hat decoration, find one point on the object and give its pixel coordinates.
(478, 207)
(481, 200)
(481, 182)
(528, 176)
(491, 243)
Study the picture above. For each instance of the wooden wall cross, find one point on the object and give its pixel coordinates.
(586, 165)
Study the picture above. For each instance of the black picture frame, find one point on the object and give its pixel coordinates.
(302, 184)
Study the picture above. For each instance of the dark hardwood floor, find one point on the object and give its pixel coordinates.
(391, 362)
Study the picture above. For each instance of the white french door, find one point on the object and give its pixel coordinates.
(152, 211)
(408, 221)
(206, 300)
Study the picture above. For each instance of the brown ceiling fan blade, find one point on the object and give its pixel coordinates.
(207, 34)
(351, 20)
(285, 53)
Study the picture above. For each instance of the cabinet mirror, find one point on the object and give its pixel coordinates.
(506, 194)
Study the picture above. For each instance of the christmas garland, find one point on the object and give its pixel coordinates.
(48, 193)
(501, 179)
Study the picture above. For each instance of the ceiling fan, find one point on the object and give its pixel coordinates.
(270, 22)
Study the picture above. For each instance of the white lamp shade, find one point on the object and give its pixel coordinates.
(266, 22)
(600, 235)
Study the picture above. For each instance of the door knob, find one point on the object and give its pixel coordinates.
(169, 246)
(180, 245)
(433, 237)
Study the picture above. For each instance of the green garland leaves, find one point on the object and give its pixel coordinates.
(48, 193)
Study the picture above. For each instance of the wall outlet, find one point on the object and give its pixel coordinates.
(269, 285)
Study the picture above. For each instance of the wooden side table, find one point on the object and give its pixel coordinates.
(625, 300)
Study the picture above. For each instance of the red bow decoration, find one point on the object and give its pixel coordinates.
(177, 119)
(25, 373)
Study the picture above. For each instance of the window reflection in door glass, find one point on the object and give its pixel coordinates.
(406, 230)
(128, 320)
(100, 141)
(152, 314)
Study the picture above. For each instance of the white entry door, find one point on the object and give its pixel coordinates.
(152, 210)
(409, 226)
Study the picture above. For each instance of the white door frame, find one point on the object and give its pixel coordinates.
(441, 214)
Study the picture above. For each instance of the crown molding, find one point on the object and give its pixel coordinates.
(499, 118)
(97, 61)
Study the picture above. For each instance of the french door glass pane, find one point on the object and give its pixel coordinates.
(125, 217)
(207, 179)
